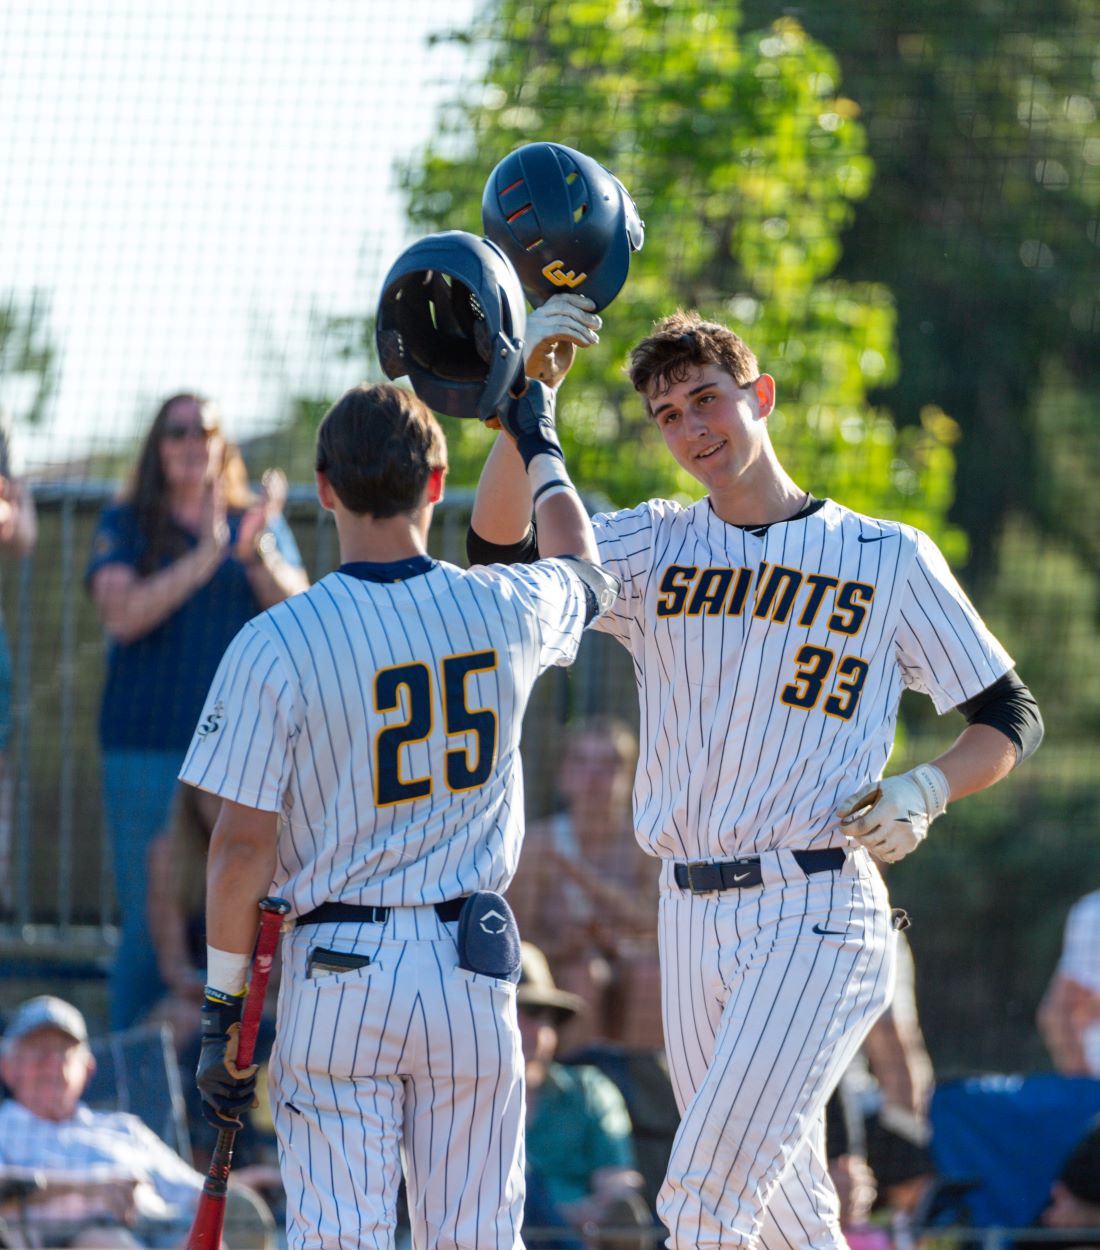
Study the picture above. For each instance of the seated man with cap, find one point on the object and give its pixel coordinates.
(580, 1153)
(84, 1178)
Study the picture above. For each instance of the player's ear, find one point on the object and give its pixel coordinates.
(325, 493)
(764, 390)
(436, 479)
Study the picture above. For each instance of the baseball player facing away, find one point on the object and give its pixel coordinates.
(364, 738)
(772, 636)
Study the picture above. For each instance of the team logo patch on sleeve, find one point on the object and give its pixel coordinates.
(212, 721)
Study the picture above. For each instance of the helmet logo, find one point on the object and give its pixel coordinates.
(559, 276)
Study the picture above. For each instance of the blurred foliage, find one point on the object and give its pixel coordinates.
(988, 898)
(746, 163)
(28, 358)
(981, 117)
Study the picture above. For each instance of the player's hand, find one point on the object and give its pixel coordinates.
(530, 421)
(226, 1089)
(555, 331)
(891, 817)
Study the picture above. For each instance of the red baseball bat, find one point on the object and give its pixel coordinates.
(206, 1230)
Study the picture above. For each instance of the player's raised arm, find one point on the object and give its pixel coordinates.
(502, 508)
(564, 527)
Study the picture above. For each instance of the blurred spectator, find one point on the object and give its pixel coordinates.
(582, 886)
(1075, 1195)
(1069, 1015)
(177, 927)
(177, 909)
(580, 1158)
(84, 1178)
(877, 1122)
(177, 567)
(18, 533)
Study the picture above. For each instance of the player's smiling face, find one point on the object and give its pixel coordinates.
(714, 428)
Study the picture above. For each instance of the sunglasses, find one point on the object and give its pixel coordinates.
(180, 433)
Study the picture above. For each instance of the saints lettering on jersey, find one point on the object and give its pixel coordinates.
(780, 595)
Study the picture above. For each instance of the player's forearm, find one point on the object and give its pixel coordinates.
(239, 872)
(978, 759)
(564, 528)
(502, 505)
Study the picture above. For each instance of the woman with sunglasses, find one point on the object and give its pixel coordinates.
(184, 558)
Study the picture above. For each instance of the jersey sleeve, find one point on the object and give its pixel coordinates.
(1081, 948)
(557, 597)
(115, 541)
(945, 648)
(243, 743)
(625, 542)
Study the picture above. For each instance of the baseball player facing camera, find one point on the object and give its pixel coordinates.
(772, 635)
(364, 738)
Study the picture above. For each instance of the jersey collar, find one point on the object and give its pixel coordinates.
(811, 506)
(394, 571)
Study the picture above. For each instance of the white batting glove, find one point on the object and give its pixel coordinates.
(555, 331)
(891, 817)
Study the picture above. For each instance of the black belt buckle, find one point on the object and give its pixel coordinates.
(699, 877)
(703, 878)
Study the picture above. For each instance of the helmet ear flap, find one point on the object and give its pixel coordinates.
(451, 317)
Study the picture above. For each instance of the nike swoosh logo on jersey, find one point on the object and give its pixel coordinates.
(828, 932)
(873, 538)
(743, 877)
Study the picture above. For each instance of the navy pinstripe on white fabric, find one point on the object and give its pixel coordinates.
(770, 664)
(717, 745)
(381, 720)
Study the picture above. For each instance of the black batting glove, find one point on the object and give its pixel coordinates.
(226, 1089)
(530, 421)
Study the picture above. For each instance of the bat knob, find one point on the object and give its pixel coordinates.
(278, 906)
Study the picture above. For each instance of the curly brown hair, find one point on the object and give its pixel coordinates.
(682, 342)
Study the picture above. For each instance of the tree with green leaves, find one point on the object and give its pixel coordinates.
(28, 360)
(983, 121)
(746, 162)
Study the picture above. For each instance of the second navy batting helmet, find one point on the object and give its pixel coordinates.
(451, 317)
(564, 221)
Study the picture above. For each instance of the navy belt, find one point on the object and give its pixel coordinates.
(355, 913)
(740, 874)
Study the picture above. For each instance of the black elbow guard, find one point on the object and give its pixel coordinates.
(480, 551)
(1009, 707)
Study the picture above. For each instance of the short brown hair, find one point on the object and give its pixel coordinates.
(684, 341)
(377, 446)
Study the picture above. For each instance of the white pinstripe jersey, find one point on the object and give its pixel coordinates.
(382, 719)
(770, 665)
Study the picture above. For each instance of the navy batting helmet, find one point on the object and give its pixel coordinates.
(451, 317)
(563, 220)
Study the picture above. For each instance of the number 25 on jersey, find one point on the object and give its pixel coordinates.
(408, 687)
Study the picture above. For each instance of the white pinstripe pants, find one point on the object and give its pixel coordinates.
(411, 1060)
(761, 1017)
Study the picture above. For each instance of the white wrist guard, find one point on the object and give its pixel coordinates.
(547, 476)
(225, 970)
(933, 786)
